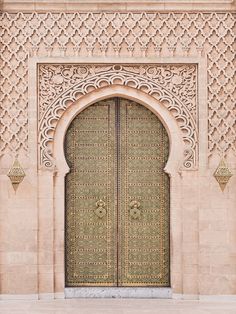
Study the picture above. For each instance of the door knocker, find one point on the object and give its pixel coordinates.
(100, 211)
(135, 212)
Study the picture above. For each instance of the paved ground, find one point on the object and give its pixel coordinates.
(116, 306)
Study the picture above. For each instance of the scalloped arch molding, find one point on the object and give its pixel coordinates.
(173, 86)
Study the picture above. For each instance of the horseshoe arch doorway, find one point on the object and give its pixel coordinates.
(117, 197)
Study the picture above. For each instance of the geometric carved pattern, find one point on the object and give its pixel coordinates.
(116, 34)
(173, 85)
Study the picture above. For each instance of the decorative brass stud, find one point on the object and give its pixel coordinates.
(222, 174)
(16, 174)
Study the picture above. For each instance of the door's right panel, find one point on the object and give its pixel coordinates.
(144, 198)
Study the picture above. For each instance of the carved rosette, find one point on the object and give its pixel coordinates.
(173, 85)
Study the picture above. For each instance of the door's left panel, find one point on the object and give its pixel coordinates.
(91, 218)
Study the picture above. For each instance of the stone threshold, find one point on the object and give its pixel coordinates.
(119, 292)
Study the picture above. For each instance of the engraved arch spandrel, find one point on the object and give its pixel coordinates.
(161, 84)
(56, 78)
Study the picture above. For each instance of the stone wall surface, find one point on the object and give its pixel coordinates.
(118, 5)
(44, 47)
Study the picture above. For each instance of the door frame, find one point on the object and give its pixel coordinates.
(172, 169)
(49, 181)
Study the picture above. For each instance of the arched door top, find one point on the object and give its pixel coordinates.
(175, 159)
(165, 84)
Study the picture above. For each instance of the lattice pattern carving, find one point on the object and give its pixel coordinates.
(134, 34)
(61, 85)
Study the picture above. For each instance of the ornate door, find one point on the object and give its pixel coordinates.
(117, 197)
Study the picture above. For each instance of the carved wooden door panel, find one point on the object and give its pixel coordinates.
(91, 226)
(117, 197)
(144, 198)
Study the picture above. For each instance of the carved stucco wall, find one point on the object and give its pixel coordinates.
(117, 34)
(32, 218)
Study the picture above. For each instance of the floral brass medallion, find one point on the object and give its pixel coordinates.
(16, 174)
(117, 197)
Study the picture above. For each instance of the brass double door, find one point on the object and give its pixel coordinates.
(117, 197)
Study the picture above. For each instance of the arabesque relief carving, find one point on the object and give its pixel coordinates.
(117, 34)
(173, 85)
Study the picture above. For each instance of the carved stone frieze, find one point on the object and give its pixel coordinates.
(60, 85)
(133, 34)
